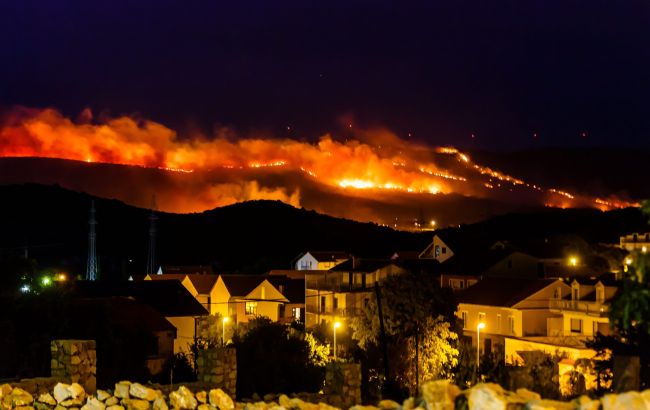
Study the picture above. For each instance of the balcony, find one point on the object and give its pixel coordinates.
(342, 312)
(590, 308)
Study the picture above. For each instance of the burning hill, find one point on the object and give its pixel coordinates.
(374, 177)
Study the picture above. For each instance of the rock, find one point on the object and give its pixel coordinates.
(102, 395)
(24, 408)
(219, 399)
(93, 404)
(527, 394)
(408, 404)
(586, 403)
(112, 401)
(388, 405)
(548, 405)
(284, 400)
(136, 404)
(160, 404)
(202, 397)
(439, 394)
(203, 407)
(360, 407)
(20, 398)
(487, 396)
(631, 400)
(77, 391)
(61, 392)
(182, 399)
(42, 406)
(141, 392)
(47, 399)
(114, 407)
(71, 403)
(122, 390)
(5, 390)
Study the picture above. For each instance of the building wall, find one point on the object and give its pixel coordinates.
(519, 345)
(587, 323)
(219, 299)
(445, 252)
(493, 326)
(307, 262)
(535, 322)
(185, 332)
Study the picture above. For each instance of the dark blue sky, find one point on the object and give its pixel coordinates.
(442, 70)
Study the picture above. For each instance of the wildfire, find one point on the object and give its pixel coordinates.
(376, 161)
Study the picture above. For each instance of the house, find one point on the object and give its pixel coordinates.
(585, 311)
(319, 260)
(170, 298)
(345, 289)
(124, 314)
(508, 307)
(635, 242)
(243, 297)
(201, 286)
(438, 249)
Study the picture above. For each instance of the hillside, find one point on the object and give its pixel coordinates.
(249, 237)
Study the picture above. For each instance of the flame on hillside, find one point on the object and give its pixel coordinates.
(376, 161)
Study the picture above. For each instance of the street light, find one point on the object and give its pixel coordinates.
(337, 324)
(223, 329)
(480, 326)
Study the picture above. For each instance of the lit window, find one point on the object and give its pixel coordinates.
(498, 322)
(481, 317)
(295, 313)
(251, 308)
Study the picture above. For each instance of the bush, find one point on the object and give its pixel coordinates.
(270, 359)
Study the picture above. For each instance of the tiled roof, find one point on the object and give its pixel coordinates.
(502, 292)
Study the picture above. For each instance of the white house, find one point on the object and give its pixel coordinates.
(312, 260)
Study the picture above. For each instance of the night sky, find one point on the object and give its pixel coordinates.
(440, 70)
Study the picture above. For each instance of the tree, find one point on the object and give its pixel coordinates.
(418, 319)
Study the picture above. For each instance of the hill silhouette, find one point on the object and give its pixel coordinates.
(250, 237)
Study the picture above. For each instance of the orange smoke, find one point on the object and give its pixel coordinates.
(376, 161)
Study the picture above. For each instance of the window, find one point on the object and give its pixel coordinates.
(251, 308)
(481, 317)
(498, 322)
(323, 303)
(463, 316)
(436, 251)
(296, 314)
(471, 282)
(558, 293)
(576, 325)
(511, 325)
(335, 302)
(456, 283)
(444, 250)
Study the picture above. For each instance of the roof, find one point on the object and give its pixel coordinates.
(169, 297)
(242, 285)
(502, 292)
(326, 256)
(121, 311)
(203, 283)
(405, 255)
(292, 289)
(477, 264)
(188, 270)
(362, 265)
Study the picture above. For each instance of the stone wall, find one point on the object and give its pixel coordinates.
(75, 361)
(342, 384)
(218, 368)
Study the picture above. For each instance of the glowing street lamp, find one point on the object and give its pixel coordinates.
(46, 281)
(61, 277)
(336, 325)
(480, 326)
(223, 329)
(573, 261)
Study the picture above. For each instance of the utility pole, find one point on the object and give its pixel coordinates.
(151, 253)
(92, 269)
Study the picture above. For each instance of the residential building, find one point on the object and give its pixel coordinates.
(438, 249)
(201, 286)
(345, 289)
(319, 260)
(170, 298)
(507, 307)
(635, 242)
(243, 297)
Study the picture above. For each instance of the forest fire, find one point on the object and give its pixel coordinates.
(377, 161)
